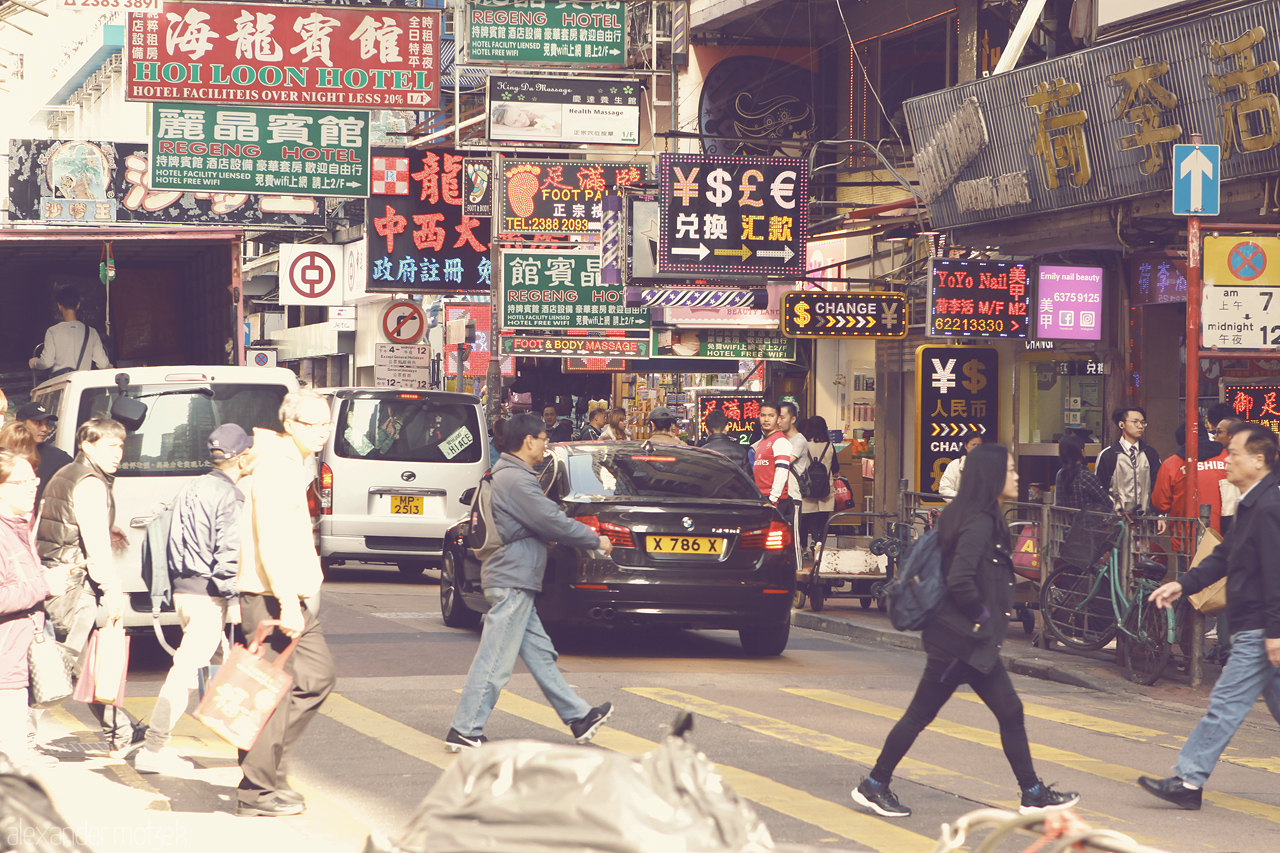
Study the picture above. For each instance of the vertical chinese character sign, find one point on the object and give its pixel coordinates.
(957, 391)
(741, 410)
(420, 241)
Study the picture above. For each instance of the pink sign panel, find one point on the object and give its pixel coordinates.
(232, 53)
(1069, 304)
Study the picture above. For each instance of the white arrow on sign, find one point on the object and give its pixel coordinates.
(785, 253)
(702, 251)
(1200, 168)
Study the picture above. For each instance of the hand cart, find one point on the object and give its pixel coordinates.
(860, 571)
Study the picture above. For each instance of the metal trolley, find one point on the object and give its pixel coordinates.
(861, 571)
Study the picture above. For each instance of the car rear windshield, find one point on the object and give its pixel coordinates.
(174, 437)
(604, 470)
(408, 428)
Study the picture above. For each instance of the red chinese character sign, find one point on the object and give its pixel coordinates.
(419, 239)
(978, 299)
(1257, 403)
(741, 410)
(733, 216)
(233, 53)
(540, 197)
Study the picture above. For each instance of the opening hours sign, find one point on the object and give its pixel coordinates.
(236, 53)
(978, 299)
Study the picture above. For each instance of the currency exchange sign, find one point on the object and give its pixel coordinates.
(814, 314)
(957, 391)
(733, 216)
(545, 289)
(238, 53)
(549, 32)
(259, 150)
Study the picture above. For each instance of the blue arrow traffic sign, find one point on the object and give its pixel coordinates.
(1197, 179)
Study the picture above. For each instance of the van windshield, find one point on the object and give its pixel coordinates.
(408, 428)
(173, 439)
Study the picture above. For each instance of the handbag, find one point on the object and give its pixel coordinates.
(1211, 600)
(1026, 553)
(106, 665)
(49, 668)
(246, 691)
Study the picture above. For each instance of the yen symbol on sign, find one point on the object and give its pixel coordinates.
(1247, 261)
(312, 275)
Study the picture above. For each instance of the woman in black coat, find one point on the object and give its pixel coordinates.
(963, 641)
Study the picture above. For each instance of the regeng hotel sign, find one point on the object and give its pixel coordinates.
(233, 53)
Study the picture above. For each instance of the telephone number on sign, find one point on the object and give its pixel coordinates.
(536, 223)
(968, 324)
(135, 5)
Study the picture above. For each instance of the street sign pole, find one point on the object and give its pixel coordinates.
(1192, 506)
(493, 378)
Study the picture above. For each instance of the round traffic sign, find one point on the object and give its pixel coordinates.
(1247, 261)
(261, 359)
(402, 322)
(312, 275)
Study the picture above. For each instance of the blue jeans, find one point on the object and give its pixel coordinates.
(1247, 675)
(511, 628)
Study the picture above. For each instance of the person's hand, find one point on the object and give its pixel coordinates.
(57, 578)
(1273, 651)
(391, 427)
(119, 541)
(1162, 526)
(31, 362)
(233, 613)
(115, 602)
(606, 544)
(291, 622)
(1165, 595)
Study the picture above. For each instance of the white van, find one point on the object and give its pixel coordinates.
(393, 472)
(170, 445)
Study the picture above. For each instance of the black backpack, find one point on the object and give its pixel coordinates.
(918, 591)
(815, 480)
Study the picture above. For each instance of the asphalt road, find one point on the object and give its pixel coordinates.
(792, 734)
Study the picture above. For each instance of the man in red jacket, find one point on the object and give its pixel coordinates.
(1169, 495)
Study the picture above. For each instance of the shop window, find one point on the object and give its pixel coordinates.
(1061, 396)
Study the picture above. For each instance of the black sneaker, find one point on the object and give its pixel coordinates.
(136, 740)
(1174, 791)
(1041, 796)
(877, 797)
(585, 729)
(455, 741)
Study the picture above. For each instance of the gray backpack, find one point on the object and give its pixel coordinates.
(483, 537)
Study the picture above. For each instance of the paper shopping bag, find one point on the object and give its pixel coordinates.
(1211, 600)
(105, 667)
(246, 690)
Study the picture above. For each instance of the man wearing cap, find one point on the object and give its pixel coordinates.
(203, 556)
(665, 429)
(40, 422)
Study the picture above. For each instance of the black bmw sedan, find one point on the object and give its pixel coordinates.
(694, 546)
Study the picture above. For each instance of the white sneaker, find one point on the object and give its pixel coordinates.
(165, 761)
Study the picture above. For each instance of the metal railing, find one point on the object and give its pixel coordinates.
(1172, 542)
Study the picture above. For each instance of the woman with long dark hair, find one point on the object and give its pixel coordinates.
(1076, 486)
(962, 642)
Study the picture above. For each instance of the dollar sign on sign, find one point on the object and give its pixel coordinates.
(976, 381)
(802, 314)
(720, 191)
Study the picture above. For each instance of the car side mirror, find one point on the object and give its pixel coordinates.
(467, 496)
(129, 412)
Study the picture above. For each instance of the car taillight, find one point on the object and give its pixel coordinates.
(620, 536)
(775, 537)
(326, 490)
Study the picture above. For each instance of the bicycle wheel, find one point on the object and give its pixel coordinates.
(1077, 608)
(1146, 641)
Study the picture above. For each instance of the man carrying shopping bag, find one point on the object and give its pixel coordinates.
(203, 558)
(279, 578)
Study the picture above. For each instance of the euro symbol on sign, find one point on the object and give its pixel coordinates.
(802, 314)
(976, 381)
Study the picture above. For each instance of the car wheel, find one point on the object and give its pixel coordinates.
(765, 642)
(454, 610)
(411, 570)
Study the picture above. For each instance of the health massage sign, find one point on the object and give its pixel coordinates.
(236, 53)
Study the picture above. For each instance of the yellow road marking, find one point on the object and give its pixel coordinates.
(1080, 721)
(868, 831)
(393, 733)
(1094, 766)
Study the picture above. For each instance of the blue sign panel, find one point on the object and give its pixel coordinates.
(1197, 179)
(1098, 125)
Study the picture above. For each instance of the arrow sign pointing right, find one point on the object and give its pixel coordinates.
(1200, 168)
(702, 251)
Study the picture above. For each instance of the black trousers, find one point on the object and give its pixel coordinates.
(265, 767)
(941, 678)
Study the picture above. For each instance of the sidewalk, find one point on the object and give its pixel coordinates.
(1102, 671)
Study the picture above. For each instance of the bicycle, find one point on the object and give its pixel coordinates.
(1086, 609)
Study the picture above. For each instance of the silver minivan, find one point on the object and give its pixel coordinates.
(167, 441)
(392, 475)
